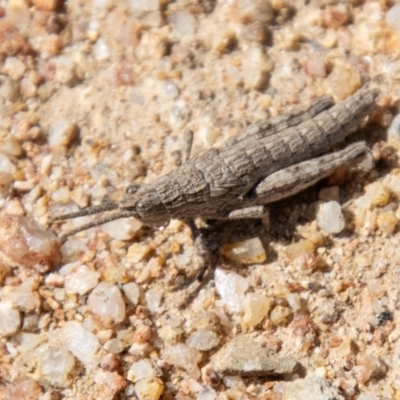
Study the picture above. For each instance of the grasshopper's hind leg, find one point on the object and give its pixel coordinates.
(289, 181)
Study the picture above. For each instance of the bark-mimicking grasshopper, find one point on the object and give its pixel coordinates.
(263, 163)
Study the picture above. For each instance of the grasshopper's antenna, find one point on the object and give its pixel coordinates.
(108, 206)
(100, 221)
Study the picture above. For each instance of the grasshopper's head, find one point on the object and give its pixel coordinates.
(145, 205)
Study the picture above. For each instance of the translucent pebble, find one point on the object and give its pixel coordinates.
(106, 302)
(330, 217)
(256, 307)
(10, 319)
(9, 90)
(62, 134)
(184, 357)
(393, 17)
(54, 364)
(14, 68)
(6, 165)
(378, 194)
(113, 346)
(101, 50)
(183, 22)
(247, 252)
(256, 67)
(153, 300)
(171, 89)
(206, 393)
(294, 301)
(142, 369)
(22, 388)
(231, 288)
(60, 195)
(81, 343)
(392, 182)
(203, 340)
(297, 249)
(131, 291)
(207, 134)
(27, 341)
(394, 129)
(27, 244)
(363, 202)
(280, 315)
(10, 146)
(147, 389)
(80, 279)
(387, 221)
(122, 229)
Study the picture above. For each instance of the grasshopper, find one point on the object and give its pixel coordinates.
(263, 163)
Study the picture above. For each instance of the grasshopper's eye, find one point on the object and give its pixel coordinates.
(132, 189)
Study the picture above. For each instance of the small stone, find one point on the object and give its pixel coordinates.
(378, 193)
(183, 357)
(280, 315)
(371, 367)
(10, 146)
(22, 388)
(334, 17)
(256, 308)
(149, 389)
(122, 229)
(111, 363)
(131, 291)
(142, 369)
(9, 90)
(248, 252)
(393, 17)
(81, 343)
(315, 65)
(144, 5)
(10, 319)
(256, 68)
(142, 334)
(206, 393)
(387, 221)
(60, 195)
(244, 356)
(392, 182)
(6, 165)
(101, 50)
(113, 346)
(105, 301)
(343, 80)
(79, 278)
(108, 384)
(203, 340)
(393, 133)
(231, 288)
(11, 40)
(313, 387)
(137, 252)
(153, 300)
(14, 68)
(294, 301)
(300, 248)
(330, 217)
(26, 244)
(184, 23)
(62, 134)
(6, 181)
